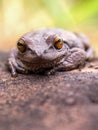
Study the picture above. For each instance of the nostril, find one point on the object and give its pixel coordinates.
(32, 51)
(49, 49)
(45, 51)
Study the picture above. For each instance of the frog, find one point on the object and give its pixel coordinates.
(47, 50)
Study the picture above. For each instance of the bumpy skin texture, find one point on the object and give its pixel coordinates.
(42, 57)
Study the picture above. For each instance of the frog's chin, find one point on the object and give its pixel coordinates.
(45, 63)
(38, 64)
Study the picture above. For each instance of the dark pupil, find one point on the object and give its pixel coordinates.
(19, 44)
(58, 41)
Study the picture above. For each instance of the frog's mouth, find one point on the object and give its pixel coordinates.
(41, 64)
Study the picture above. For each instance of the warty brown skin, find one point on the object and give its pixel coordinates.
(41, 56)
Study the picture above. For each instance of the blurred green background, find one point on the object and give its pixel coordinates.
(20, 16)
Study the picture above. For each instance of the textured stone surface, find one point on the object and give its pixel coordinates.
(64, 101)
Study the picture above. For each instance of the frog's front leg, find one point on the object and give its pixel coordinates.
(76, 58)
(13, 65)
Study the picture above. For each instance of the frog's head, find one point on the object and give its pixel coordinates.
(37, 50)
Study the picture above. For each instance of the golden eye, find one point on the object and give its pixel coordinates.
(21, 45)
(58, 43)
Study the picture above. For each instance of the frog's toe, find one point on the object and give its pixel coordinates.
(14, 74)
(22, 70)
(50, 72)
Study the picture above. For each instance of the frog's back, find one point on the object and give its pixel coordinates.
(70, 37)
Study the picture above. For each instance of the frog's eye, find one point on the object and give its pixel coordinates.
(58, 43)
(21, 45)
